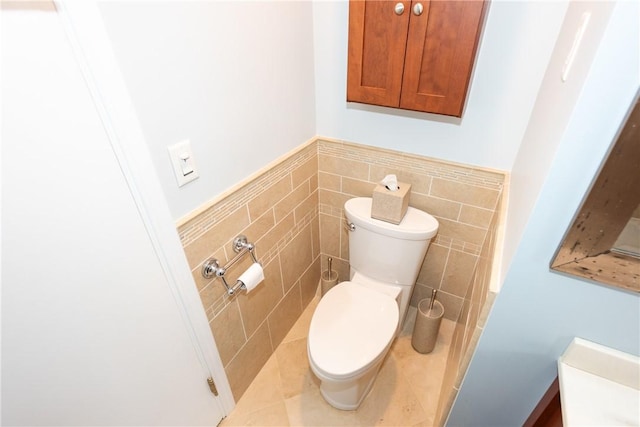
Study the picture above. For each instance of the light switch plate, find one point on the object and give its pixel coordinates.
(183, 163)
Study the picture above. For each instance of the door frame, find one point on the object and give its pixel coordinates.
(92, 49)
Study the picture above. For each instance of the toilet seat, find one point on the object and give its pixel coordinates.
(350, 330)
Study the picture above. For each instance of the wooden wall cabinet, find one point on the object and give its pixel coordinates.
(418, 59)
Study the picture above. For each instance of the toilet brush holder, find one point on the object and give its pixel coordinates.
(425, 331)
(328, 278)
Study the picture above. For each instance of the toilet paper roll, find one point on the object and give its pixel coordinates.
(252, 277)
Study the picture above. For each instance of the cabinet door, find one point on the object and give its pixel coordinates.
(377, 41)
(441, 48)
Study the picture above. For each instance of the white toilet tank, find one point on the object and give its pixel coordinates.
(387, 252)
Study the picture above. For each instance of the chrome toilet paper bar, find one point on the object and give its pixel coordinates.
(212, 268)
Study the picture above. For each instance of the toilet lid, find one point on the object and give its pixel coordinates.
(350, 328)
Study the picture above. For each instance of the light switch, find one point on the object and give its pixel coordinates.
(186, 164)
(183, 163)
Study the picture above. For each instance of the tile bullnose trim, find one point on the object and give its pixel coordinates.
(196, 223)
(256, 176)
(489, 176)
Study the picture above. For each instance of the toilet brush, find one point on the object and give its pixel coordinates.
(433, 299)
(328, 278)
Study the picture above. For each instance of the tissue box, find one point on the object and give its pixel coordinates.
(390, 205)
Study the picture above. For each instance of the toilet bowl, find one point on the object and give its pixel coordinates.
(350, 333)
(356, 321)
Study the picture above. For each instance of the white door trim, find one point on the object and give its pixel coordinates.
(89, 40)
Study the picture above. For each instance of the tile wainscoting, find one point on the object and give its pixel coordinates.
(462, 198)
(470, 323)
(293, 212)
(278, 212)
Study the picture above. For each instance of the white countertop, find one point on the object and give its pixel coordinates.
(599, 386)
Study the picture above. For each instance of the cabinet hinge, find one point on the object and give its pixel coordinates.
(212, 386)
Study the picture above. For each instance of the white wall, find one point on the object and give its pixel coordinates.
(550, 117)
(236, 78)
(91, 331)
(538, 312)
(518, 39)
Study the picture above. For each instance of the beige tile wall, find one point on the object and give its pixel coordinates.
(462, 198)
(475, 310)
(293, 212)
(278, 212)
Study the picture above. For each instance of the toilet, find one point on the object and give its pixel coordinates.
(356, 321)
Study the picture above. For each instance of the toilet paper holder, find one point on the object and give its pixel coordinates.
(211, 267)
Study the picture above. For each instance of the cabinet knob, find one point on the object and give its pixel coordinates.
(418, 9)
(399, 9)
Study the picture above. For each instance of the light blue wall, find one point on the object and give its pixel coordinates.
(538, 312)
(515, 47)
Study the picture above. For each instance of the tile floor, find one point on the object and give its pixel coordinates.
(286, 393)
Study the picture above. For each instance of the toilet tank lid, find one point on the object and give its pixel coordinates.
(416, 224)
